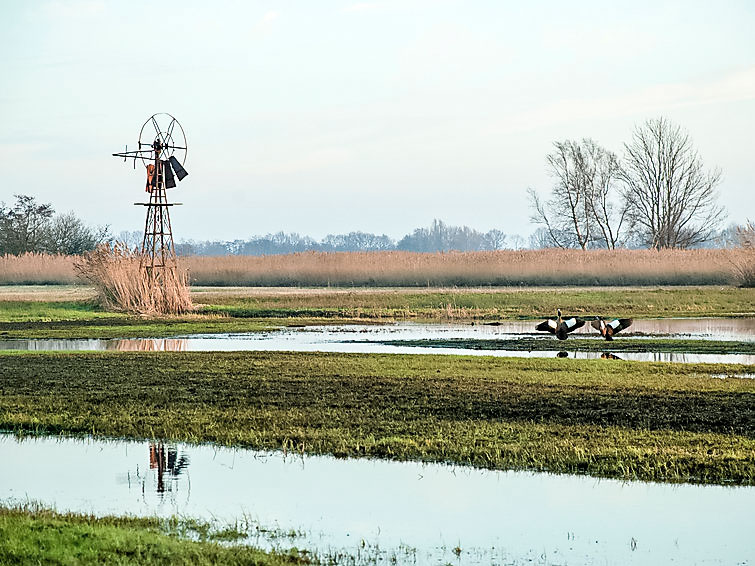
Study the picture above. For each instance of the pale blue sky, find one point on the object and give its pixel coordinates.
(331, 116)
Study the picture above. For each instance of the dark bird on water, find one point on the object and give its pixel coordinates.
(561, 326)
(608, 329)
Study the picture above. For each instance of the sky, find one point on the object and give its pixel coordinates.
(335, 116)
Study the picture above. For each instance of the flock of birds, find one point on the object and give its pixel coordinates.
(561, 327)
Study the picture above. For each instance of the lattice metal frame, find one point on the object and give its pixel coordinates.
(161, 146)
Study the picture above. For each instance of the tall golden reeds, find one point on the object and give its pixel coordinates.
(507, 267)
(123, 285)
(37, 269)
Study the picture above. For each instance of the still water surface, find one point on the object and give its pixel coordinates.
(416, 512)
(367, 338)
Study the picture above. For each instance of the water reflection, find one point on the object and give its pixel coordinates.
(494, 517)
(167, 464)
(368, 338)
(609, 356)
(147, 345)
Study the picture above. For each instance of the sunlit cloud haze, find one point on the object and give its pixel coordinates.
(327, 117)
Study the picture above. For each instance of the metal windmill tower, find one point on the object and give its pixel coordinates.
(162, 150)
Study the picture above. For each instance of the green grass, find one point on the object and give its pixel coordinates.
(31, 536)
(44, 311)
(651, 421)
(492, 304)
(655, 345)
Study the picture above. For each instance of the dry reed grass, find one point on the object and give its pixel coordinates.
(124, 286)
(529, 267)
(397, 269)
(37, 269)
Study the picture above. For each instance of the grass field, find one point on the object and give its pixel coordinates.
(491, 303)
(651, 421)
(33, 535)
(506, 267)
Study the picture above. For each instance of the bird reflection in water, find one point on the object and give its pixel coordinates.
(609, 356)
(167, 462)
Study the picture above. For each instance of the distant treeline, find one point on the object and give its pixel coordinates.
(439, 237)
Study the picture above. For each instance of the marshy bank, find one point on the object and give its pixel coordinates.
(650, 421)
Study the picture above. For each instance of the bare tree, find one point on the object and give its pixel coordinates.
(517, 242)
(494, 239)
(132, 239)
(540, 239)
(585, 208)
(67, 234)
(608, 205)
(672, 198)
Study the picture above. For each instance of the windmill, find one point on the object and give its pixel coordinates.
(162, 150)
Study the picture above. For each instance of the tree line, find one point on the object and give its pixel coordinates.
(438, 237)
(27, 226)
(658, 195)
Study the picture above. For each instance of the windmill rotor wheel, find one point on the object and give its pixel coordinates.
(168, 131)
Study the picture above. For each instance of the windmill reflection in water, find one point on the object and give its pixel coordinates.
(167, 463)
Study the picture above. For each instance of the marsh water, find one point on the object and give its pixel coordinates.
(370, 338)
(417, 513)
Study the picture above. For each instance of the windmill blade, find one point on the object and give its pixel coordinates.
(178, 168)
(170, 181)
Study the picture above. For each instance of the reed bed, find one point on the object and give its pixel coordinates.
(508, 267)
(409, 269)
(123, 285)
(37, 269)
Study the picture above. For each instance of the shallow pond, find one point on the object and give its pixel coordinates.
(418, 513)
(368, 338)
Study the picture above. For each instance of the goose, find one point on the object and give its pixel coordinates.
(608, 329)
(561, 326)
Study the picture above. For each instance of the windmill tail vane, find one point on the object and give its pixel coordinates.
(162, 151)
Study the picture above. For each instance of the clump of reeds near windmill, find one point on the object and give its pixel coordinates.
(123, 285)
